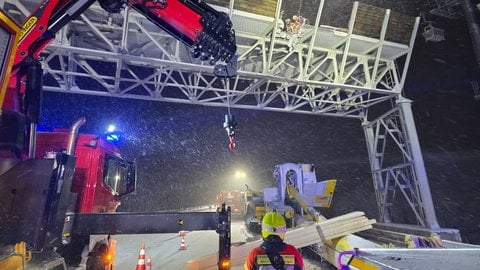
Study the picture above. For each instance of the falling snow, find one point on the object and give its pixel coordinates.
(183, 157)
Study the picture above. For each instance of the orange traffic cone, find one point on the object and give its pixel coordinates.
(182, 244)
(148, 265)
(141, 258)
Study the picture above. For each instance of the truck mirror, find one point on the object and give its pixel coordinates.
(130, 183)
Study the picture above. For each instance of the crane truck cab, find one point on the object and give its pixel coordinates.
(71, 173)
(102, 175)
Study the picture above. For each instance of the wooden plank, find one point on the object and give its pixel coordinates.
(345, 230)
(343, 217)
(358, 229)
(345, 227)
(354, 222)
(303, 236)
(339, 223)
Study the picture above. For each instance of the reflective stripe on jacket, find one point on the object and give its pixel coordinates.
(257, 259)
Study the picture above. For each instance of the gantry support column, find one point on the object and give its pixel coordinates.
(397, 128)
(405, 107)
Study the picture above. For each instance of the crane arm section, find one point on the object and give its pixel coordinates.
(206, 31)
(40, 27)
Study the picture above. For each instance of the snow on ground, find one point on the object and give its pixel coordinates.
(165, 253)
(164, 249)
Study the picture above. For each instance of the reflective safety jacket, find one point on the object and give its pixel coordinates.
(258, 259)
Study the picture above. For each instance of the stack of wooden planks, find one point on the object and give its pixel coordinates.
(343, 225)
(306, 235)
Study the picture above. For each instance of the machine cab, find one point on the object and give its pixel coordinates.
(101, 174)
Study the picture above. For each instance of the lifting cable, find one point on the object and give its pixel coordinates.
(230, 123)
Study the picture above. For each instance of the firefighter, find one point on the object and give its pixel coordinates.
(274, 253)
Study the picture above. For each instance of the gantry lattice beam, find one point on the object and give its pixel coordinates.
(318, 70)
(451, 9)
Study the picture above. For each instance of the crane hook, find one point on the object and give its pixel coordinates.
(229, 126)
(232, 145)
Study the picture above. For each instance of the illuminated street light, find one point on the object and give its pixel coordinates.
(240, 174)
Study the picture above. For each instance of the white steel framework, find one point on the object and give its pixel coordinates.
(451, 9)
(320, 70)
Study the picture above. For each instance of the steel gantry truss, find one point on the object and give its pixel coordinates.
(319, 70)
(451, 9)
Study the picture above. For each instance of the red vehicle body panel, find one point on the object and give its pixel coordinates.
(176, 14)
(93, 195)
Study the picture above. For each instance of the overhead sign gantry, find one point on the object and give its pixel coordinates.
(358, 71)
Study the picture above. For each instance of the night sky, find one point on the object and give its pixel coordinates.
(183, 157)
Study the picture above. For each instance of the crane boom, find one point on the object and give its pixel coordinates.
(40, 211)
(206, 31)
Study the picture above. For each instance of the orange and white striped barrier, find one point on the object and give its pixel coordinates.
(148, 265)
(182, 243)
(141, 258)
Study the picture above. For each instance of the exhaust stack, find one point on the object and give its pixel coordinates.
(72, 138)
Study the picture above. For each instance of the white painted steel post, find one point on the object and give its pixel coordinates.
(420, 172)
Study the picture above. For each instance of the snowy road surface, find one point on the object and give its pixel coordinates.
(165, 253)
(164, 249)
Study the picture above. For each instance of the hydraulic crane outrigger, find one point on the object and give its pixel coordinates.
(210, 37)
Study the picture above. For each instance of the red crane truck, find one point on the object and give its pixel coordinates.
(58, 188)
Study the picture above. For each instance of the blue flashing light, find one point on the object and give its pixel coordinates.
(113, 137)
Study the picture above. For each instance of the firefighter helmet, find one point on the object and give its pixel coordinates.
(273, 224)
